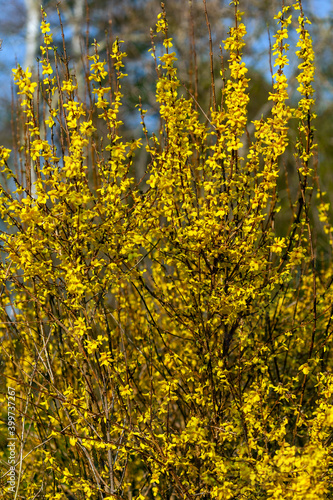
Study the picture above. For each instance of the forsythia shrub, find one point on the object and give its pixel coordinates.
(166, 337)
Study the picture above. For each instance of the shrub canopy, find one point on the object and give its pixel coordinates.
(167, 336)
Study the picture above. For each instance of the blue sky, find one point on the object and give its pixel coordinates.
(322, 7)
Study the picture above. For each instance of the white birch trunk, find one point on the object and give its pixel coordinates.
(32, 45)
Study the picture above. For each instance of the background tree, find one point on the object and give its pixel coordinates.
(130, 21)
